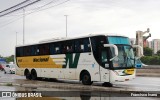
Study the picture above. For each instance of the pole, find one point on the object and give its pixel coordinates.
(23, 26)
(66, 25)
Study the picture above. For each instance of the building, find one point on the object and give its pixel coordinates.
(156, 45)
(150, 44)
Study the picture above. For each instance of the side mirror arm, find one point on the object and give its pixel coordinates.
(115, 50)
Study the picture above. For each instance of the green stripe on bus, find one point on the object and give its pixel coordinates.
(72, 62)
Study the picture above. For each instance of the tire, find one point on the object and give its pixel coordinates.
(107, 84)
(33, 75)
(28, 76)
(86, 78)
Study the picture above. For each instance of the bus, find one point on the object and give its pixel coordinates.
(92, 58)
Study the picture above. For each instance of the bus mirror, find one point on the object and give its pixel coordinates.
(139, 47)
(115, 50)
(138, 66)
(138, 63)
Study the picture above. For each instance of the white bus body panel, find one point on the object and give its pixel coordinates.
(116, 76)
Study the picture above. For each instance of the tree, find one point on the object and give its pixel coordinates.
(158, 52)
(9, 58)
(147, 51)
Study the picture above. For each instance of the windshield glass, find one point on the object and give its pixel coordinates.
(125, 56)
(125, 52)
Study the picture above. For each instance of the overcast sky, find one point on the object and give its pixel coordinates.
(84, 17)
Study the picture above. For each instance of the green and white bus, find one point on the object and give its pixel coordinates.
(93, 58)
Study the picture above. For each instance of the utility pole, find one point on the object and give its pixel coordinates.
(66, 24)
(23, 26)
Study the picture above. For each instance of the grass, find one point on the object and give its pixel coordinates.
(9, 84)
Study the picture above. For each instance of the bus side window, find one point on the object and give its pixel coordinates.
(86, 43)
(43, 49)
(52, 50)
(34, 50)
(19, 51)
(104, 56)
(46, 49)
(70, 46)
(57, 48)
(64, 47)
(82, 45)
(27, 51)
(77, 46)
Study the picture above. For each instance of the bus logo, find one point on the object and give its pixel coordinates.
(72, 61)
(40, 59)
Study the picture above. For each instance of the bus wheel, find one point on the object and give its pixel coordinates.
(107, 84)
(86, 78)
(28, 76)
(33, 75)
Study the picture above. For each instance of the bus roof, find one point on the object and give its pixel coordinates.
(64, 38)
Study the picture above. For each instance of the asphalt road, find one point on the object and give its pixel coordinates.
(139, 83)
(149, 84)
(142, 84)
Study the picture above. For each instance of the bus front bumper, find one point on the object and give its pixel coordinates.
(119, 76)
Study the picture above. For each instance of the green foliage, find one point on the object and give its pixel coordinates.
(158, 52)
(151, 60)
(9, 59)
(9, 84)
(147, 51)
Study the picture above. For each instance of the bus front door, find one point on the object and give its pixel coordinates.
(104, 68)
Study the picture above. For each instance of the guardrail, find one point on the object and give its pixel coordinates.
(151, 67)
(150, 70)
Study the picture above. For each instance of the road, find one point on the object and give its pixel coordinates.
(142, 84)
(150, 84)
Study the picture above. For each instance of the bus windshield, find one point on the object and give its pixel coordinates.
(125, 57)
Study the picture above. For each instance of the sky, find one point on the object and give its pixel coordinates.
(45, 20)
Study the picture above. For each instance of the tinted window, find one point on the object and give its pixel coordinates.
(118, 40)
(43, 49)
(55, 48)
(52, 50)
(69, 46)
(82, 45)
(27, 51)
(34, 50)
(19, 51)
(99, 52)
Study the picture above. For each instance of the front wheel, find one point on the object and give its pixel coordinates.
(10, 72)
(86, 78)
(107, 84)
